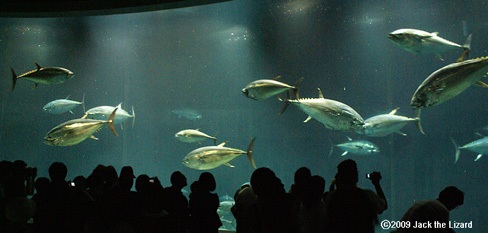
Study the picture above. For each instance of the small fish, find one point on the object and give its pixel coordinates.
(479, 146)
(359, 147)
(44, 75)
(187, 113)
(209, 157)
(62, 105)
(418, 41)
(265, 88)
(333, 114)
(448, 82)
(193, 135)
(385, 124)
(75, 131)
(224, 207)
(103, 112)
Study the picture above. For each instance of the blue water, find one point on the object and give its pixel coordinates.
(201, 57)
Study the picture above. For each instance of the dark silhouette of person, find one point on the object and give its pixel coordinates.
(204, 204)
(82, 204)
(350, 209)
(430, 211)
(44, 210)
(301, 183)
(274, 211)
(59, 197)
(176, 203)
(244, 197)
(312, 210)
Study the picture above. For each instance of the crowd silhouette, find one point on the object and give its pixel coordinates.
(104, 202)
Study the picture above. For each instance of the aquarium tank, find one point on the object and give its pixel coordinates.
(183, 65)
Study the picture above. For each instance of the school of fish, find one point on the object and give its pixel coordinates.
(442, 85)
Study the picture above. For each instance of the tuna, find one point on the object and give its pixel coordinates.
(43, 75)
(333, 114)
(385, 124)
(265, 88)
(75, 131)
(60, 106)
(210, 157)
(193, 135)
(103, 113)
(358, 147)
(418, 41)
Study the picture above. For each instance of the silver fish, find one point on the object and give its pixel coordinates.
(44, 75)
(187, 113)
(359, 147)
(448, 82)
(479, 146)
(193, 135)
(265, 88)
(333, 114)
(62, 105)
(103, 112)
(418, 41)
(75, 131)
(209, 157)
(385, 124)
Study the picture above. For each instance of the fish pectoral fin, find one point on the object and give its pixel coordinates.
(481, 84)
(229, 165)
(38, 66)
(308, 118)
(439, 57)
(401, 133)
(345, 153)
(71, 112)
(93, 137)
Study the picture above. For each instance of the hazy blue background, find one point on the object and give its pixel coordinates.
(202, 57)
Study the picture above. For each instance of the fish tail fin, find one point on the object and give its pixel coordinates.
(467, 44)
(458, 151)
(331, 148)
(249, 152)
(286, 102)
(133, 116)
(417, 121)
(83, 102)
(14, 78)
(296, 86)
(215, 138)
(111, 122)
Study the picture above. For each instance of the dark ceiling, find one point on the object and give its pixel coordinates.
(62, 8)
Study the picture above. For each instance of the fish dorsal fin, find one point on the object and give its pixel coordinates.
(277, 77)
(321, 96)
(349, 139)
(197, 129)
(83, 117)
(38, 66)
(393, 112)
(481, 84)
(222, 144)
(435, 33)
(67, 97)
(119, 106)
(480, 135)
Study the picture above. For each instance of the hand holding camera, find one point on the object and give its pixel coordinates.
(375, 177)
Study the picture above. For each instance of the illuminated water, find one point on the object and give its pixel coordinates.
(200, 58)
